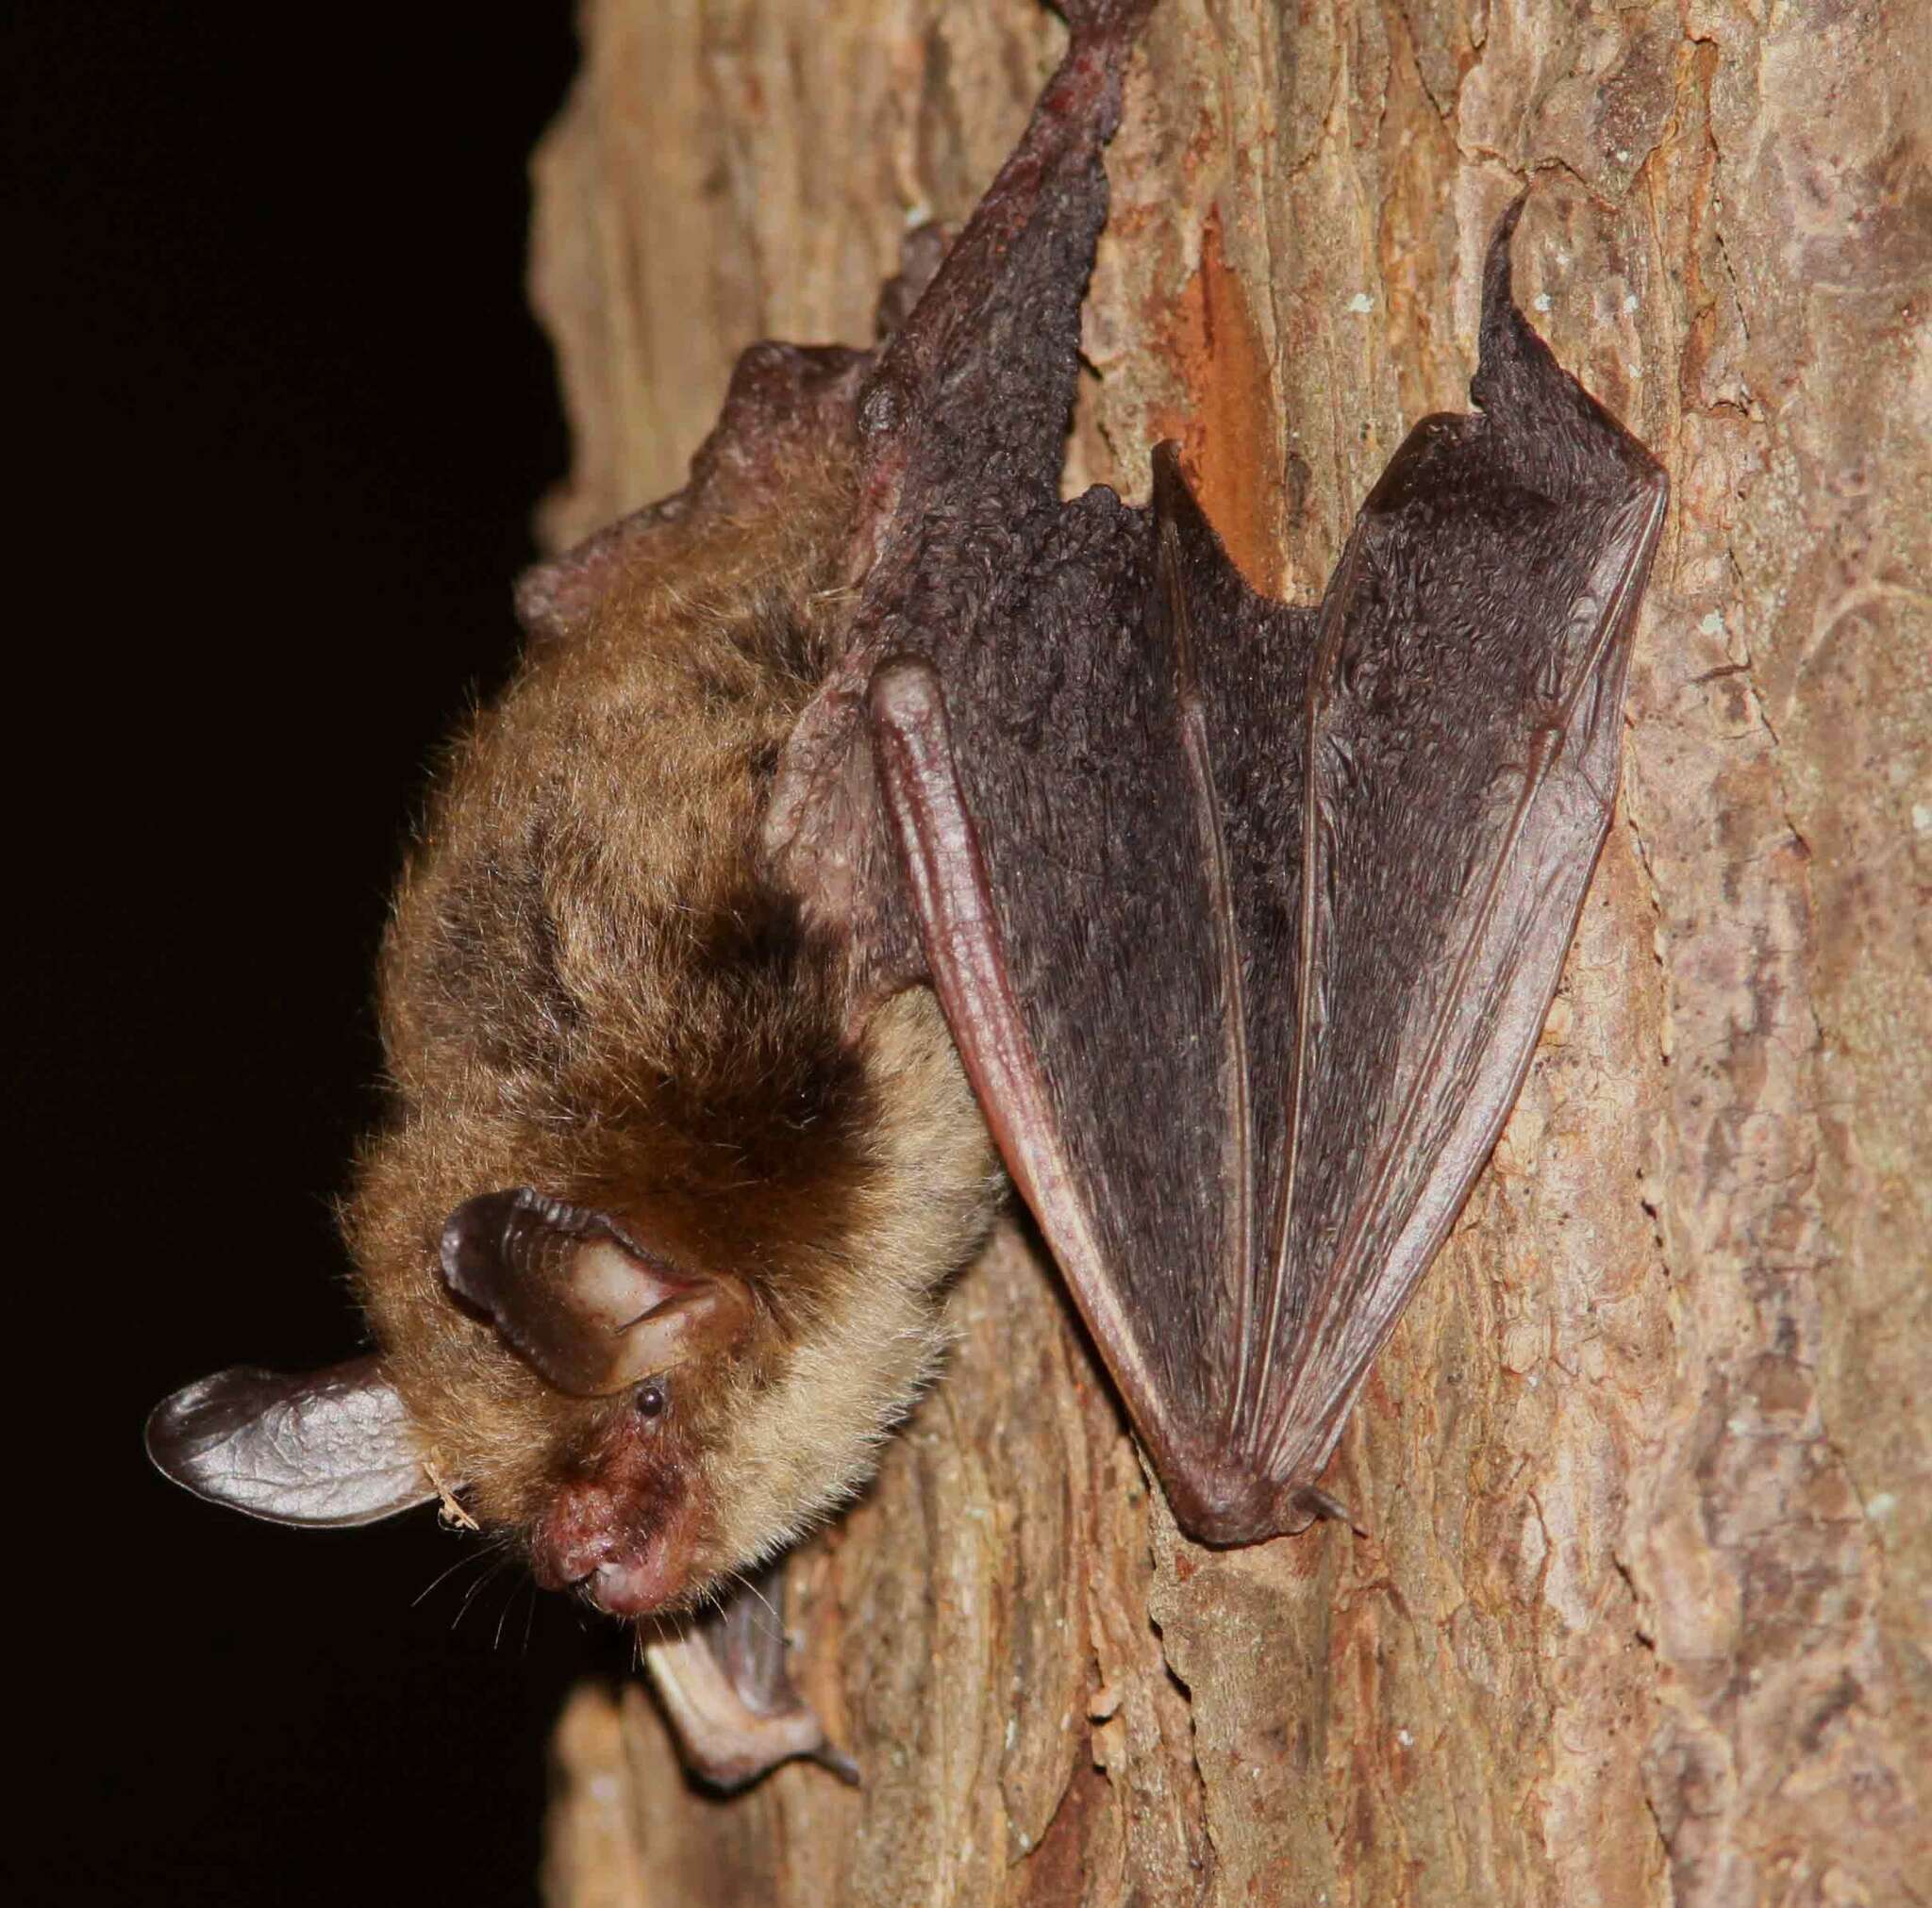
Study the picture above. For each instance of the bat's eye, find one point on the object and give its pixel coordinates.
(651, 1400)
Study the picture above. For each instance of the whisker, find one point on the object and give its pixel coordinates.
(469, 1555)
(778, 1621)
(463, 1609)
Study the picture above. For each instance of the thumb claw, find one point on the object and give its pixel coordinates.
(1319, 1503)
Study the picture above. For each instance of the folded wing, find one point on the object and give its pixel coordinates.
(1247, 919)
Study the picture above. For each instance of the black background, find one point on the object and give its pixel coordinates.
(281, 415)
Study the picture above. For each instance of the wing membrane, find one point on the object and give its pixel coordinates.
(1247, 919)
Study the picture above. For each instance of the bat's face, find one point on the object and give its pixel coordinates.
(576, 1384)
(654, 1360)
(626, 1529)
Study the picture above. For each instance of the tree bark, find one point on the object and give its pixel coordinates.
(1641, 1613)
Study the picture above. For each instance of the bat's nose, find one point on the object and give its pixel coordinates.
(578, 1534)
(565, 1565)
(627, 1568)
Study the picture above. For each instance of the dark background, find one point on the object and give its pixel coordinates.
(281, 415)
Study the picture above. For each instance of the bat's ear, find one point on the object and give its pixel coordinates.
(578, 1298)
(330, 1449)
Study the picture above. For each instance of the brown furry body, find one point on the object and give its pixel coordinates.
(589, 988)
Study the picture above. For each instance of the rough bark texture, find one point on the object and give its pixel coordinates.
(1644, 1615)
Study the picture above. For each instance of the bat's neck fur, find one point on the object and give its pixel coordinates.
(591, 989)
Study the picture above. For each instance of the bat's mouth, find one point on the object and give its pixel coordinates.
(633, 1587)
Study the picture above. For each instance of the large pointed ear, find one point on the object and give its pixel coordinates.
(578, 1298)
(330, 1449)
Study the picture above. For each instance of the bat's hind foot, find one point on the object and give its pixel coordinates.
(722, 1679)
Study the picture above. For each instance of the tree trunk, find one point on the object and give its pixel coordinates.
(1641, 1613)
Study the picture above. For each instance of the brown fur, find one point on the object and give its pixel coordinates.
(588, 988)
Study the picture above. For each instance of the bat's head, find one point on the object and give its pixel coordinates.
(649, 1367)
(586, 1411)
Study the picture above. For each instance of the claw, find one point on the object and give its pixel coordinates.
(1320, 1504)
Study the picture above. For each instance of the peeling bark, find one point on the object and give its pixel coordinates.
(1642, 1615)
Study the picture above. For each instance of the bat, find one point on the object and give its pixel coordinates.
(868, 829)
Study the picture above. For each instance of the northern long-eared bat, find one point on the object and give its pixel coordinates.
(864, 820)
